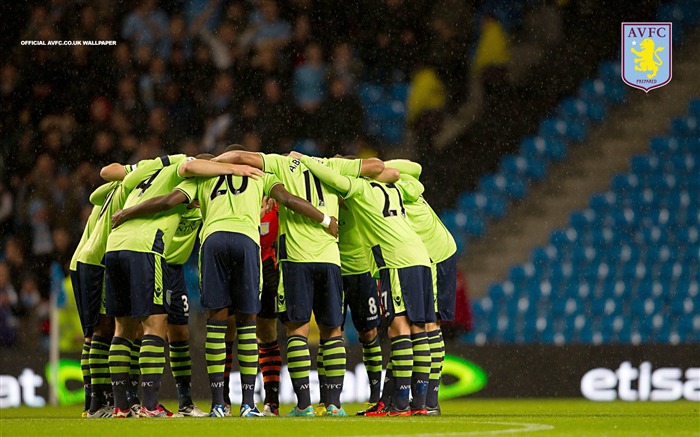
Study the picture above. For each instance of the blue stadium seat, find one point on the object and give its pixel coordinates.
(538, 146)
(563, 129)
(399, 91)
(694, 108)
(597, 89)
(663, 146)
(684, 126)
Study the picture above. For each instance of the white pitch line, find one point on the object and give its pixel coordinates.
(522, 427)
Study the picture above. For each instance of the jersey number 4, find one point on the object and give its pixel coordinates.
(220, 190)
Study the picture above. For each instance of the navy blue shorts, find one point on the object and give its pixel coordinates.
(134, 283)
(88, 289)
(408, 291)
(176, 302)
(229, 273)
(271, 280)
(445, 288)
(362, 297)
(311, 286)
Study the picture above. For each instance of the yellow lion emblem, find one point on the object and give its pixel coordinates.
(645, 57)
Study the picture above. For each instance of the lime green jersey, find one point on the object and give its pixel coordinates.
(89, 226)
(181, 246)
(435, 236)
(230, 203)
(151, 178)
(353, 247)
(380, 213)
(97, 198)
(300, 238)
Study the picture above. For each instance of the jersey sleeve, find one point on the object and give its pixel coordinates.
(269, 181)
(272, 163)
(411, 188)
(189, 187)
(327, 175)
(98, 196)
(346, 167)
(405, 167)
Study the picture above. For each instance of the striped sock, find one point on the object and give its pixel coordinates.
(216, 359)
(152, 363)
(270, 361)
(334, 366)
(119, 363)
(299, 363)
(372, 357)
(247, 360)
(437, 355)
(421, 368)
(402, 365)
(132, 390)
(85, 369)
(321, 371)
(181, 366)
(99, 372)
(228, 364)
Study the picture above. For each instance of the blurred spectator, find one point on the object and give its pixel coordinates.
(7, 210)
(427, 93)
(493, 49)
(148, 26)
(341, 119)
(152, 84)
(310, 79)
(345, 66)
(14, 260)
(276, 116)
(267, 29)
(9, 302)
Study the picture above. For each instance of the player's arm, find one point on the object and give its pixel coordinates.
(405, 166)
(304, 207)
(207, 168)
(252, 159)
(150, 207)
(327, 175)
(113, 172)
(388, 175)
(371, 167)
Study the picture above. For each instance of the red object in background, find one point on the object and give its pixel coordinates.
(463, 309)
(269, 226)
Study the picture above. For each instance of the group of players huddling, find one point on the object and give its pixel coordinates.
(341, 224)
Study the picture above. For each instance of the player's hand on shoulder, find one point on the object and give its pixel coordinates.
(295, 154)
(333, 227)
(247, 170)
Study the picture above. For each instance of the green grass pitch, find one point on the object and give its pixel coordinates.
(470, 417)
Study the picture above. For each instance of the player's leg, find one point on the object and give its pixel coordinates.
(229, 338)
(118, 305)
(101, 327)
(85, 354)
(177, 305)
(294, 303)
(269, 356)
(362, 297)
(328, 310)
(417, 286)
(132, 390)
(445, 291)
(148, 305)
(216, 299)
(397, 384)
(246, 300)
(99, 364)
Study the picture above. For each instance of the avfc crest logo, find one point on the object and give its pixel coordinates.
(646, 55)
